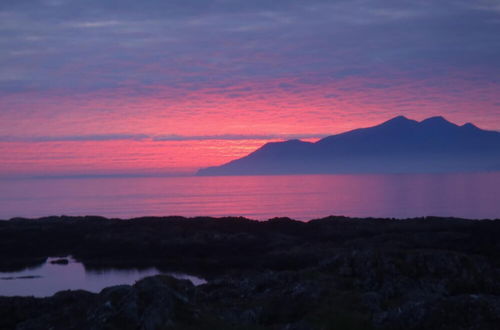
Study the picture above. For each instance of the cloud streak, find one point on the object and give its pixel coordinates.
(160, 138)
(75, 138)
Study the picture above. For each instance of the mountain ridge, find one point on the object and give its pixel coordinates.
(397, 145)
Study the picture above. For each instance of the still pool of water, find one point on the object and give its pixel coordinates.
(303, 197)
(49, 278)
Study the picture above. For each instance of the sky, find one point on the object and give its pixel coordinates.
(96, 87)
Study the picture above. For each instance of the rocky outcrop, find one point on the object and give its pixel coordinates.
(333, 273)
(159, 302)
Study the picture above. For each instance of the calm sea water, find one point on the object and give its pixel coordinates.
(48, 278)
(301, 197)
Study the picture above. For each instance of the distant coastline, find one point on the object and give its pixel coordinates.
(399, 145)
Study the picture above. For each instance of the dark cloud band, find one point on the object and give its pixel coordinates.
(142, 137)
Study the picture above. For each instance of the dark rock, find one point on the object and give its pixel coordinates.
(159, 302)
(467, 312)
(61, 261)
(332, 273)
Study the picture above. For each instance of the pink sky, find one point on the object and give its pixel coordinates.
(112, 132)
(167, 87)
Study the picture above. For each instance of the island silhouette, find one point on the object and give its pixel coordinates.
(399, 145)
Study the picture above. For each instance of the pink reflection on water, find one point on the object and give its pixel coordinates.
(301, 197)
(47, 279)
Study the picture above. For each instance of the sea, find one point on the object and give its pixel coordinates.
(300, 197)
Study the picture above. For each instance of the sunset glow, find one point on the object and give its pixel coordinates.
(150, 93)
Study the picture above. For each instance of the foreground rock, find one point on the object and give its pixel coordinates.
(153, 303)
(332, 273)
(60, 261)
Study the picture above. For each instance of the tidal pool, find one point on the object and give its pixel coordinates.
(50, 277)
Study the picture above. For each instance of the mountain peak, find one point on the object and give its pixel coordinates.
(436, 120)
(398, 121)
(470, 126)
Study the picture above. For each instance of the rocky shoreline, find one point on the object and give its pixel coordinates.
(332, 273)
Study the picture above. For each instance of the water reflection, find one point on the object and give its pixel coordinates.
(49, 278)
(470, 195)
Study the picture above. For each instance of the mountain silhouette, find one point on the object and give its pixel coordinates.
(399, 145)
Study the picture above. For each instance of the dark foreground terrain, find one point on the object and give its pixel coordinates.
(333, 273)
